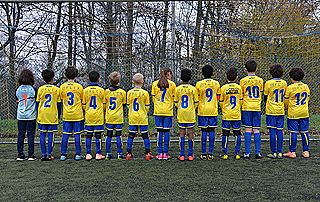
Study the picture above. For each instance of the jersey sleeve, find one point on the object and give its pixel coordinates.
(196, 95)
(83, 97)
(198, 90)
(241, 96)
(218, 89)
(38, 95)
(266, 88)
(221, 98)
(153, 93)
(104, 101)
(261, 87)
(124, 97)
(147, 99)
(176, 95)
(59, 95)
(286, 98)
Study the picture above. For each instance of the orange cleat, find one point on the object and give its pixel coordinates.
(190, 158)
(291, 155)
(100, 157)
(306, 154)
(88, 157)
(181, 158)
(129, 156)
(149, 156)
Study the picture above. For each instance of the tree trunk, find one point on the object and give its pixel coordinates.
(70, 34)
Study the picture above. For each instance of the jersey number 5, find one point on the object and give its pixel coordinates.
(113, 103)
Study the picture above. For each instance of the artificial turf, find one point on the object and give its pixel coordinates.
(172, 180)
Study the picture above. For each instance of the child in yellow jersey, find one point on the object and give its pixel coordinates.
(252, 89)
(138, 102)
(186, 100)
(230, 103)
(116, 100)
(49, 110)
(208, 95)
(71, 94)
(94, 103)
(163, 99)
(296, 102)
(274, 91)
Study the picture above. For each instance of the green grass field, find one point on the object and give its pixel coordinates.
(172, 180)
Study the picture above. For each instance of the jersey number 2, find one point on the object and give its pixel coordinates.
(48, 100)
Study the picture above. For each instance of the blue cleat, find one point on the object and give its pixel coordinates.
(78, 157)
(63, 158)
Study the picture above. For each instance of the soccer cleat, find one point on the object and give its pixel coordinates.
(50, 158)
(159, 156)
(88, 157)
(210, 157)
(190, 158)
(148, 156)
(32, 158)
(100, 157)
(120, 156)
(44, 158)
(108, 156)
(129, 156)
(237, 157)
(291, 155)
(78, 157)
(165, 156)
(225, 157)
(181, 158)
(203, 157)
(280, 155)
(306, 154)
(21, 158)
(63, 158)
(246, 156)
(272, 156)
(258, 156)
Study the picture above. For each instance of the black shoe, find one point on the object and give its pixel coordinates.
(21, 158)
(44, 158)
(258, 156)
(203, 157)
(32, 158)
(246, 156)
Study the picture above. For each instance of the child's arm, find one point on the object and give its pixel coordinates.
(153, 92)
(286, 98)
(176, 98)
(147, 97)
(265, 93)
(196, 98)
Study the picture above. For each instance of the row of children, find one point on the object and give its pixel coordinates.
(90, 108)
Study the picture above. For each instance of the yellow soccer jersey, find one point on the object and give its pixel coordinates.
(252, 89)
(93, 101)
(296, 100)
(138, 101)
(186, 100)
(114, 107)
(208, 89)
(48, 96)
(71, 94)
(275, 90)
(163, 99)
(230, 101)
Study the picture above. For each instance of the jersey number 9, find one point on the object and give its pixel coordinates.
(233, 101)
(209, 94)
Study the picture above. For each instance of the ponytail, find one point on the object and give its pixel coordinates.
(163, 81)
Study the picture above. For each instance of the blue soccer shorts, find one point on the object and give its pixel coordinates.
(117, 127)
(47, 128)
(163, 122)
(73, 127)
(251, 119)
(298, 125)
(186, 125)
(137, 128)
(207, 121)
(94, 129)
(275, 121)
(228, 125)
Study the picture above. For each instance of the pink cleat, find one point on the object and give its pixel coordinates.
(306, 154)
(291, 155)
(165, 156)
(88, 157)
(159, 157)
(100, 157)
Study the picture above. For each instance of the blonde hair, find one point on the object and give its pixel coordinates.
(115, 78)
(137, 78)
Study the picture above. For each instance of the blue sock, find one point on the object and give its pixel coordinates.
(108, 145)
(293, 142)
(305, 141)
(247, 141)
(166, 142)
(238, 144)
(77, 142)
(204, 142)
(64, 144)
(257, 143)
(279, 141)
(146, 142)
(212, 137)
(119, 144)
(225, 144)
(190, 147)
(129, 144)
(98, 146)
(182, 146)
(273, 140)
(160, 141)
(43, 146)
(88, 145)
(50, 143)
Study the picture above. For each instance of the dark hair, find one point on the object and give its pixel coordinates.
(186, 75)
(163, 81)
(207, 71)
(94, 76)
(276, 71)
(251, 66)
(71, 72)
(47, 75)
(232, 74)
(26, 77)
(296, 74)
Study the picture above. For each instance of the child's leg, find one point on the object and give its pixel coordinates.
(273, 140)
(247, 140)
(256, 123)
(145, 136)
(166, 141)
(237, 134)
(22, 128)
(50, 143)
(43, 146)
(160, 140)
(204, 132)
(182, 141)
(279, 140)
(293, 141)
(132, 133)
(98, 142)
(89, 136)
(190, 134)
(31, 130)
(78, 129)
(212, 136)
(108, 141)
(67, 130)
(225, 135)
(304, 127)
